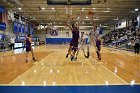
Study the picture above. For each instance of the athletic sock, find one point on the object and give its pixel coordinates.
(34, 59)
(99, 58)
(26, 60)
(87, 54)
(72, 57)
(97, 53)
(67, 55)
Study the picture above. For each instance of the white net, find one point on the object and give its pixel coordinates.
(68, 11)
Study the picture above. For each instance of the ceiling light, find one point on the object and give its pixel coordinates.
(116, 19)
(83, 8)
(86, 16)
(136, 9)
(108, 8)
(42, 8)
(106, 11)
(94, 8)
(96, 19)
(104, 26)
(53, 8)
(19, 8)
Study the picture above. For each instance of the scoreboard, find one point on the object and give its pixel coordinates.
(69, 2)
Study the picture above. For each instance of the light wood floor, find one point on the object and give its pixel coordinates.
(116, 67)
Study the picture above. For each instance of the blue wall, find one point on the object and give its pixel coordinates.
(58, 40)
(71, 89)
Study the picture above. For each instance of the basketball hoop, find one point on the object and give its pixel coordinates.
(68, 11)
(68, 2)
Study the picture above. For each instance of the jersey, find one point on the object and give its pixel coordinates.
(82, 39)
(75, 33)
(91, 37)
(28, 44)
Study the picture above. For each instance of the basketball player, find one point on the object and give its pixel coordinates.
(91, 42)
(74, 42)
(82, 41)
(29, 47)
(24, 43)
(98, 46)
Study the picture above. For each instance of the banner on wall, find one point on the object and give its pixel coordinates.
(2, 26)
(15, 27)
(2, 36)
(16, 16)
(23, 27)
(26, 29)
(22, 19)
(19, 28)
(53, 31)
(2, 9)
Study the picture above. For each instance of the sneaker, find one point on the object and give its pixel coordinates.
(99, 58)
(26, 60)
(72, 57)
(67, 55)
(86, 56)
(76, 58)
(34, 59)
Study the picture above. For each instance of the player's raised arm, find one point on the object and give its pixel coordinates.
(69, 26)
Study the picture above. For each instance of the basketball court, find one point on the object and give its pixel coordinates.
(115, 24)
(54, 68)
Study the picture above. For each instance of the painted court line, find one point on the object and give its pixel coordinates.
(29, 69)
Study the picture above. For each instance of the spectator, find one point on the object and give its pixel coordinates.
(137, 45)
(12, 41)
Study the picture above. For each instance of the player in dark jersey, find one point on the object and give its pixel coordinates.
(29, 47)
(98, 46)
(74, 42)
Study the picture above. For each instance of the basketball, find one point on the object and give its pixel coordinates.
(90, 13)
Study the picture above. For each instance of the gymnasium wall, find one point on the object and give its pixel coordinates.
(9, 25)
(62, 36)
(41, 34)
(122, 23)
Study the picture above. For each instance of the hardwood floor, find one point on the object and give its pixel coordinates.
(12, 66)
(116, 67)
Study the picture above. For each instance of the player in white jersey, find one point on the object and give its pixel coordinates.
(82, 42)
(91, 42)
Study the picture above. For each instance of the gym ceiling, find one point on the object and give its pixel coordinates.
(106, 12)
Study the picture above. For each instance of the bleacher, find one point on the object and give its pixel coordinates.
(121, 38)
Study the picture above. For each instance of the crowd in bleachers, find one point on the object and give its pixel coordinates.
(124, 37)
